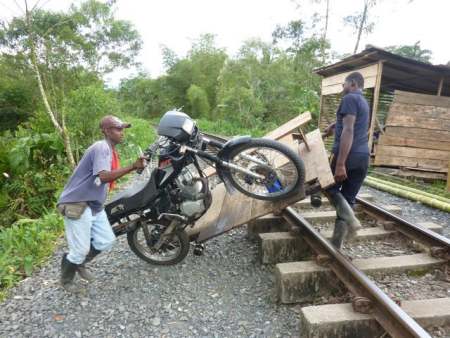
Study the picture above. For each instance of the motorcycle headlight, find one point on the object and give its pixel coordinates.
(188, 126)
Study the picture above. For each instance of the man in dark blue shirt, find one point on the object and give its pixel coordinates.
(350, 155)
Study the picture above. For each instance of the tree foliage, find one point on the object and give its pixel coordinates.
(414, 51)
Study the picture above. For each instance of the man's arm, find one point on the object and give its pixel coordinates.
(108, 176)
(329, 130)
(344, 147)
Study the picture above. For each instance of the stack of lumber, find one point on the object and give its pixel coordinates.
(417, 133)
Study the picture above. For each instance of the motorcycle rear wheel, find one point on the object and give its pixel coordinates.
(170, 253)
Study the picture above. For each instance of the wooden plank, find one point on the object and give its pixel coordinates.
(376, 97)
(338, 79)
(441, 83)
(316, 160)
(421, 99)
(430, 165)
(419, 133)
(337, 88)
(424, 123)
(229, 211)
(448, 177)
(415, 110)
(395, 151)
(289, 126)
(390, 140)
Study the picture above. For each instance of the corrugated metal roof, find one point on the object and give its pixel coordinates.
(398, 72)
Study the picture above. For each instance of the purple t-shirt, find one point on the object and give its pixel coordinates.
(84, 185)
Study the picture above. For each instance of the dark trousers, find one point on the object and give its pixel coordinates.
(356, 165)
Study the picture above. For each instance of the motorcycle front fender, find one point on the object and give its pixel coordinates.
(224, 153)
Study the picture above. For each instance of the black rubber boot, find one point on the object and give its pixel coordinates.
(82, 270)
(339, 233)
(345, 212)
(68, 270)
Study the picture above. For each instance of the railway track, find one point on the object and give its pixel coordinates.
(308, 267)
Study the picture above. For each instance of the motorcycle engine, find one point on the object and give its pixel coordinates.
(195, 197)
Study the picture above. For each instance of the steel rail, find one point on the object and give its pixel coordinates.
(388, 314)
(411, 230)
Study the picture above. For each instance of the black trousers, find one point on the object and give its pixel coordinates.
(356, 165)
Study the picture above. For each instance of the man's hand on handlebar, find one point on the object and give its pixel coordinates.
(140, 163)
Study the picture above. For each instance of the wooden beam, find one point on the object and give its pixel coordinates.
(421, 99)
(448, 177)
(441, 83)
(333, 84)
(376, 97)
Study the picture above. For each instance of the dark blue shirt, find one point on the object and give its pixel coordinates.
(355, 104)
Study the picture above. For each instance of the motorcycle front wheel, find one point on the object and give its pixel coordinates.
(145, 235)
(281, 171)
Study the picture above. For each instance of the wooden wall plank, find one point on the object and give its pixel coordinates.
(369, 82)
(390, 140)
(366, 72)
(431, 165)
(421, 99)
(431, 154)
(423, 123)
(418, 133)
(415, 110)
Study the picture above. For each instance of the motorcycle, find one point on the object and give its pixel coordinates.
(155, 212)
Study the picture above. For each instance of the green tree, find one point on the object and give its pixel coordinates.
(201, 67)
(198, 100)
(414, 51)
(64, 49)
(144, 97)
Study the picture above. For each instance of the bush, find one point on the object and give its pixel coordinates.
(26, 245)
(32, 171)
(198, 100)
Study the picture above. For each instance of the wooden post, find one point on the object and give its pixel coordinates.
(448, 177)
(376, 96)
(441, 84)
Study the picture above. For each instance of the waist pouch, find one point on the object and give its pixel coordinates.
(72, 210)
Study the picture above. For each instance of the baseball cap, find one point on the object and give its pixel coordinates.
(111, 121)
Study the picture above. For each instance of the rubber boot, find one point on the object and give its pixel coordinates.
(82, 270)
(339, 233)
(68, 270)
(345, 212)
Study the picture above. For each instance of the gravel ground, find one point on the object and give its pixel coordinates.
(412, 211)
(409, 287)
(224, 293)
(395, 245)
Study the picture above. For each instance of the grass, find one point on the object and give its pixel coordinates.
(25, 246)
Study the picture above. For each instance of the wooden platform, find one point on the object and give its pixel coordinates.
(229, 211)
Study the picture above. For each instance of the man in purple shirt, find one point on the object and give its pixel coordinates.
(88, 231)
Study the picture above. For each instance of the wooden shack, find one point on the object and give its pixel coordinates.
(410, 108)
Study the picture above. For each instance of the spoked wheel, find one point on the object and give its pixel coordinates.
(173, 250)
(280, 171)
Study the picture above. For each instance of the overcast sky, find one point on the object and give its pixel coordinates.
(175, 23)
